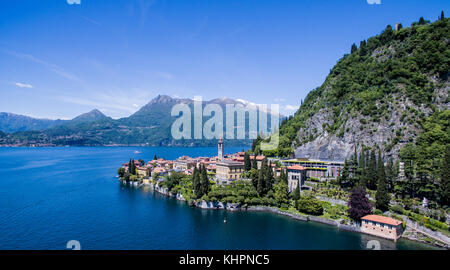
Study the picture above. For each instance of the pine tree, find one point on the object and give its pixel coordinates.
(362, 48)
(131, 167)
(196, 183)
(260, 186)
(354, 48)
(281, 177)
(355, 170)
(444, 184)
(442, 16)
(344, 178)
(255, 163)
(269, 178)
(382, 195)
(422, 21)
(284, 176)
(390, 176)
(155, 157)
(362, 169)
(247, 162)
(204, 181)
(372, 171)
(297, 192)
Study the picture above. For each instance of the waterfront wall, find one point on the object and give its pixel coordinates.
(433, 234)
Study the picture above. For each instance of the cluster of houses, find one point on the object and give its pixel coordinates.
(229, 168)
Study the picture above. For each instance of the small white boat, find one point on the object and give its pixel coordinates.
(137, 152)
(224, 221)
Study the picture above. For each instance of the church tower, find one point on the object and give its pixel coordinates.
(220, 149)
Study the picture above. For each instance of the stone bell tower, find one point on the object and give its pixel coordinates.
(220, 149)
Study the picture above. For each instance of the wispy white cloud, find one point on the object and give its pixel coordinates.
(23, 85)
(90, 20)
(76, 2)
(291, 107)
(50, 66)
(118, 102)
(374, 2)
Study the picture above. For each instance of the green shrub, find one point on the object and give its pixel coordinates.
(309, 205)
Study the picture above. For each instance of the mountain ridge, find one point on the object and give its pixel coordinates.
(150, 125)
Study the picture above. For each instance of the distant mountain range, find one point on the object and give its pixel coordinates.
(150, 125)
(10, 122)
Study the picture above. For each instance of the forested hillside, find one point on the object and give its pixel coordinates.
(382, 95)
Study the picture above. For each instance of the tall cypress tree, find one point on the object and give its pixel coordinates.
(269, 178)
(382, 195)
(281, 175)
(284, 176)
(444, 184)
(390, 176)
(260, 186)
(297, 192)
(344, 178)
(247, 162)
(362, 169)
(254, 163)
(204, 181)
(372, 178)
(442, 16)
(197, 183)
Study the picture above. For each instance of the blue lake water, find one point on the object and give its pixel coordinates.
(49, 196)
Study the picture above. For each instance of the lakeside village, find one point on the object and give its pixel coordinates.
(304, 189)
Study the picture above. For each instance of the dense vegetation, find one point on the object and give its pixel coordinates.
(374, 80)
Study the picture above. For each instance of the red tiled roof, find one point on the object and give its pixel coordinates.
(258, 157)
(381, 219)
(297, 167)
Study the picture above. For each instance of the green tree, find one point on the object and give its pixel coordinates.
(254, 162)
(442, 16)
(247, 162)
(372, 171)
(260, 186)
(204, 181)
(297, 192)
(354, 48)
(121, 171)
(309, 205)
(390, 175)
(196, 183)
(155, 157)
(132, 167)
(270, 179)
(382, 195)
(444, 184)
(281, 193)
(344, 177)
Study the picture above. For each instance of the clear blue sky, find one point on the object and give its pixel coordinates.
(59, 60)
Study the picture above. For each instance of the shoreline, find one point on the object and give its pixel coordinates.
(234, 207)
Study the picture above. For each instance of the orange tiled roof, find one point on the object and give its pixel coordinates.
(297, 167)
(381, 219)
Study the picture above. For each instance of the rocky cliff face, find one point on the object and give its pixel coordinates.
(378, 96)
(395, 130)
